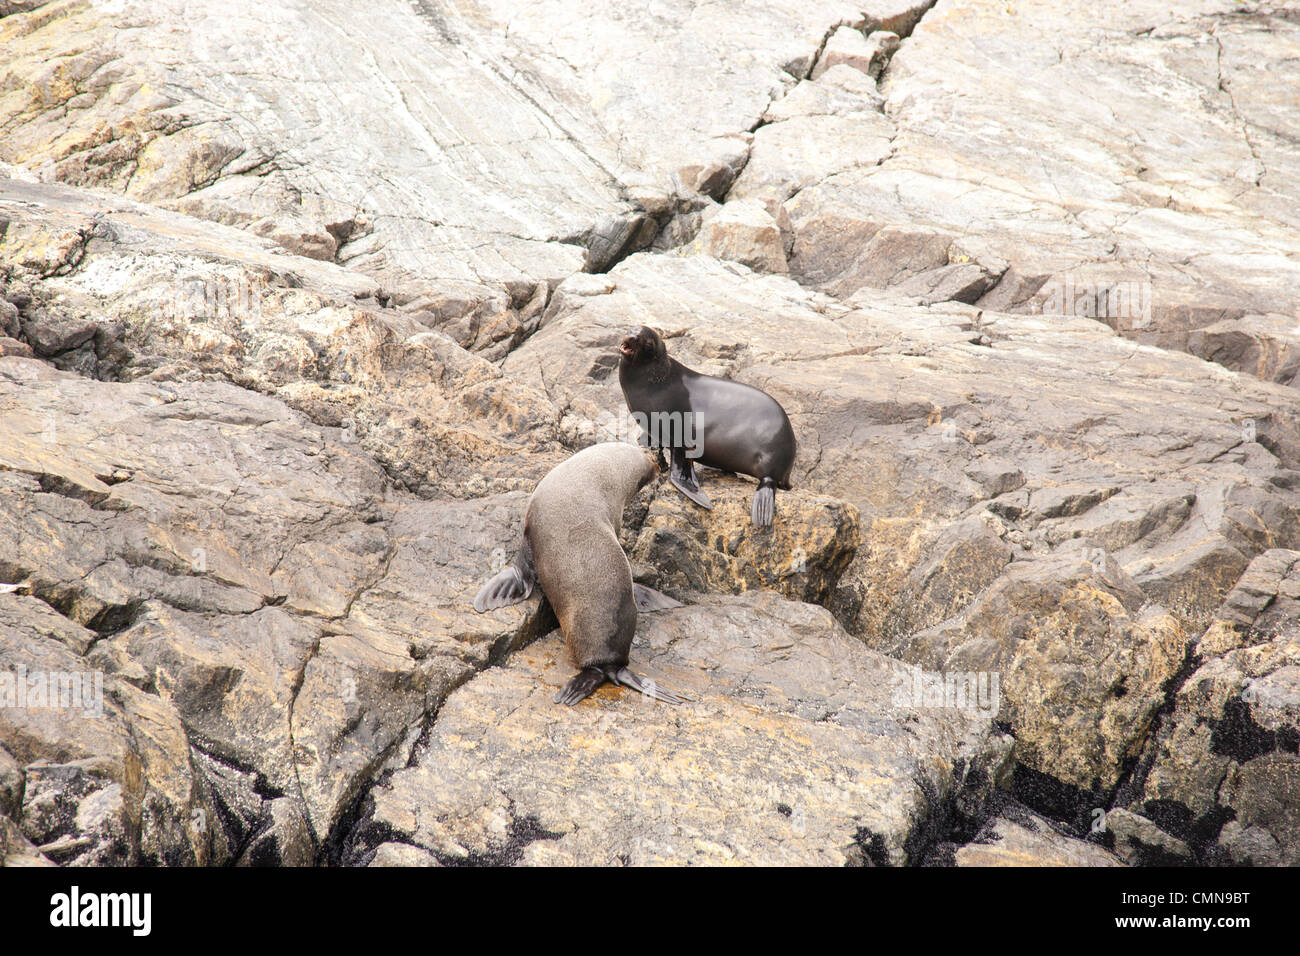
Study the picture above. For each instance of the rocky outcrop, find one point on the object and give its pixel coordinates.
(1083, 661)
(255, 614)
(1027, 530)
(1134, 169)
(791, 751)
(1018, 837)
(1224, 773)
(458, 216)
(284, 350)
(684, 548)
(167, 298)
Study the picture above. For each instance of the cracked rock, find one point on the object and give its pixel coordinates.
(848, 47)
(802, 556)
(1225, 775)
(742, 231)
(792, 751)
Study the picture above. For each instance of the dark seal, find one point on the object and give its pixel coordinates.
(570, 546)
(715, 421)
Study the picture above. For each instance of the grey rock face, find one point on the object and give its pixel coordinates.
(1225, 773)
(1162, 211)
(793, 750)
(223, 568)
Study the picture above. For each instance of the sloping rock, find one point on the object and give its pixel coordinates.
(1135, 169)
(1225, 774)
(912, 417)
(792, 752)
(255, 596)
(176, 299)
(987, 464)
(684, 547)
(291, 323)
(1027, 839)
(446, 204)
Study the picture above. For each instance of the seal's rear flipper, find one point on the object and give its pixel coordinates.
(581, 686)
(764, 509)
(648, 599)
(683, 478)
(647, 687)
(510, 586)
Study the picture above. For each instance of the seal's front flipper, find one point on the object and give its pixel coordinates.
(648, 599)
(643, 686)
(510, 586)
(764, 509)
(581, 686)
(683, 477)
(692, 490)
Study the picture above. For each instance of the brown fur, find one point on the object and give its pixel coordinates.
(572, 522)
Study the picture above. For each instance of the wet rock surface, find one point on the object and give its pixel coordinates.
(278, 371)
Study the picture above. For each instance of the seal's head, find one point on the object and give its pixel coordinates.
(643, 348)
